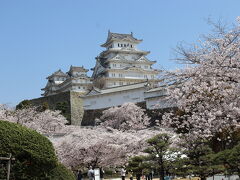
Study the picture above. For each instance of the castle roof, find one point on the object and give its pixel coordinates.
(58, 73)
(96, 91)
(77, 69)
(120, 37)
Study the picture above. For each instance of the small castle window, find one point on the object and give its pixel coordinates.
(145, 76)
(118, 44)
(131, 45)
(120, 83)
(113, 74)
(124, 45)
(152, 76)
(120, 75)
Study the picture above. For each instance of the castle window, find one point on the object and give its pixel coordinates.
(146, 67)
(120, 75)
(114, 65)
(113, 74)
(152, 76)
(145, 76)
(131, 45)
(124, 45)
(83, 87)
(114, 83)
(79, 87)
(120, 83)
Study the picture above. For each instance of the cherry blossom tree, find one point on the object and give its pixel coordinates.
(206, 92)
(83, 146)
(98, 146)
(126, 117)
(45, 122)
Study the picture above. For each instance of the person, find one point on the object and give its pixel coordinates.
(131, 174)
(151, 175)
(138, 176)
(123, 173)
(79, 175)
(101, 173)
(90, 173)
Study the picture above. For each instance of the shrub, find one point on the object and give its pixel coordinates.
(62, 173)
(34, 154)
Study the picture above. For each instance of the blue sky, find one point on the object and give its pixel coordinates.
(38, 37)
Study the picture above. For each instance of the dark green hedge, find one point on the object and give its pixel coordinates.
(62, 173)
(34, 153)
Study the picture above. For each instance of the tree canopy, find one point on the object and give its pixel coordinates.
(34, 153)
(206, 92)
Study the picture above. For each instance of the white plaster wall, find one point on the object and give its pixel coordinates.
(157, 103)
(113, 99)
(157, 100)
(115, 44)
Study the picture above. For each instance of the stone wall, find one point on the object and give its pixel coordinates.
(77, 110)
(73, 105)
(80, 117)
(90, 115)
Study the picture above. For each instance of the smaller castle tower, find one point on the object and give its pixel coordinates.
(75, 79)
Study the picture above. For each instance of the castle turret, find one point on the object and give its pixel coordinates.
(75, 79)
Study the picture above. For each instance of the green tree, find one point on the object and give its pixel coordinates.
(200, 158)
(61, 173)
(160, 152)
(139, 165)
(23, 104)
(64, 108)
(177, 167)
(230, 159)
(34, 154)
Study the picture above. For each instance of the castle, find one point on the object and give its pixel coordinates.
(122, 73)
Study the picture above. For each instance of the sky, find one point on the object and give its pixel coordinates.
(38, 37)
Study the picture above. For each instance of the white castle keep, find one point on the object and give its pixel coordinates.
(122, 74)
(122, 63)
